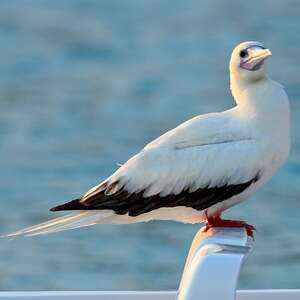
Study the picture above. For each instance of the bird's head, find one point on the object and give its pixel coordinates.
(248, 61)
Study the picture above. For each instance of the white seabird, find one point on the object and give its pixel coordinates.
(197, 170)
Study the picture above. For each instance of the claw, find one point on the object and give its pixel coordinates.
(217, 221)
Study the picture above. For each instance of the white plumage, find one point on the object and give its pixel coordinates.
(208, 152)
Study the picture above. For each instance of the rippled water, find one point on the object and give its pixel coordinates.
(83, 86)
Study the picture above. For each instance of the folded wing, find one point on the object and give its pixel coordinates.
(198, 164)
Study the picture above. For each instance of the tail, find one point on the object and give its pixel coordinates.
(71, 221)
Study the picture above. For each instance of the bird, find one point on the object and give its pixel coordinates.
(202, 167)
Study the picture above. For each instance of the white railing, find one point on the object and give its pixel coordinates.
(240, 295)
(213, 264)
(211, 273)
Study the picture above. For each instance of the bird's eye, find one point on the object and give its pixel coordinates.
(243, 53)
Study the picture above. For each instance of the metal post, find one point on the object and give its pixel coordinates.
(213, 264)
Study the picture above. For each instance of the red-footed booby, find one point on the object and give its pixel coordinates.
(197, 170)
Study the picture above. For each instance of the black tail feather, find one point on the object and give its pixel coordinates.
(72, 205)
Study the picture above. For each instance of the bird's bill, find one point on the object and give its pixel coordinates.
(256, 58)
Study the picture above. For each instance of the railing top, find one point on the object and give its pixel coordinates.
(213, 264)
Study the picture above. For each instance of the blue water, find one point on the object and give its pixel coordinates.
(84, 85)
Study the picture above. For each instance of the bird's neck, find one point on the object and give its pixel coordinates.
(251, 95)
(237, 87)
(265, 100)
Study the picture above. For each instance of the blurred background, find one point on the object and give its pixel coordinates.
(86, 84)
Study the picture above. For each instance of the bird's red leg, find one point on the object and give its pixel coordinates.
(217, 221)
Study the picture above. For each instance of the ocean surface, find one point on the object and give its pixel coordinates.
(86, 84)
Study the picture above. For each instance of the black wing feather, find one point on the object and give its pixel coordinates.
(135, 204)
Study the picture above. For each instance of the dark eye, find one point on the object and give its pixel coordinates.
(243, 53)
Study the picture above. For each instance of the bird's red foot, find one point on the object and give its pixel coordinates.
(217, 221)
